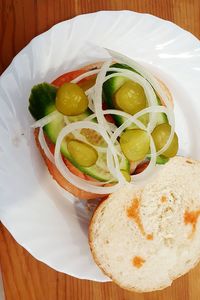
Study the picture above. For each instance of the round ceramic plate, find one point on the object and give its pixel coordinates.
(52, 228)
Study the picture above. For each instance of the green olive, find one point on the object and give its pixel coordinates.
(160, 136)
(126, 175)
(71, 100)
(84, 154)
(135, 144)
(130, 97)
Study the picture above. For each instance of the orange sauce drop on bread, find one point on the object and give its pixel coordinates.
(191, 217)
(149, 237)
(163, 199)
(134, 212)
(138, 261)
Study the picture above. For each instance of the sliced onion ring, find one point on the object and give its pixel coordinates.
(147, 75)
(44, 145)
(85, 75)
(132, 119)
(77, 181)
(149, 92)
(149, 83)
(148, 170)
(100, 116)
(47, 119)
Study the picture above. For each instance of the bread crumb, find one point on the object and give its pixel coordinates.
(138, 261)
(189, 162)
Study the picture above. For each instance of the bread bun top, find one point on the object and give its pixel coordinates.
(144, 238)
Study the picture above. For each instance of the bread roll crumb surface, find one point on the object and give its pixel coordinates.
(135, 222)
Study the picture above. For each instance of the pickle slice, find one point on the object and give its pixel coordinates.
(71, 100)
(160, 136)
(130, 97)
(84, 154)
(135, 144)
(126, 175)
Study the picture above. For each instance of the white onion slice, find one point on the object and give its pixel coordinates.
(66, 120)
(89, 91)
(118, 113)
(137, 122)
(90, 102)
(100, 116)
(81, 183)
(77, 134)
(150, 94)
(132, 119)
(45, 120)
(109, 132)
(149, 169)
(98, 94)
(152, 80)
(44, 145)
(84, 75)
(112, 126)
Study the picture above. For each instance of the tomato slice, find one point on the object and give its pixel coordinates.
(67, 77)
(141, 167)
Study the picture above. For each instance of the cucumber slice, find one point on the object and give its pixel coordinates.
(98, 171)
(42, 100)
(112, 85)
(41, 103)
(80, 117)
(160, 160)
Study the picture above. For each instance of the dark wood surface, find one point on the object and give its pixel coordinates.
(24, 277)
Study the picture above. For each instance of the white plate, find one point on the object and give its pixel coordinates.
(51, 228)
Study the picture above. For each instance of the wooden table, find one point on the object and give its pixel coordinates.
(24, 277)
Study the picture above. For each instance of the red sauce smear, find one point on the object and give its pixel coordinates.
(191, 217)
(138, 261)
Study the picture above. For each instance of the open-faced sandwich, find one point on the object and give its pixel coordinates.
(100, 130)
(103, 125)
